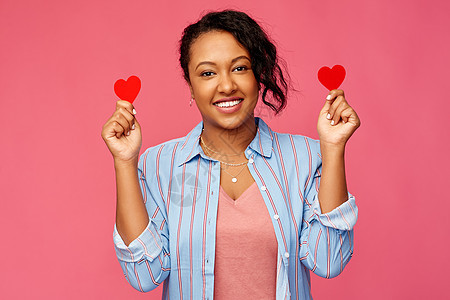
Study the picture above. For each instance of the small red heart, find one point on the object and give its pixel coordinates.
(128, 90)
(331, 78)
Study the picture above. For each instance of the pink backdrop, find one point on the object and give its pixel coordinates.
(59, 60)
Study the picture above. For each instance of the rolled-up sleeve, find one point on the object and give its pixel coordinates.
(326, 244)
(145, 261)
(342, 217)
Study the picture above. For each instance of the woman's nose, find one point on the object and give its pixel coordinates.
(226, 84)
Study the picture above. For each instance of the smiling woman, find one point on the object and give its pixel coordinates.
(233, 209)
(222, 83)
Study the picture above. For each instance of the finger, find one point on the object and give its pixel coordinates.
(108, 130)
(116, 129)
(332, 95)
(123, 122)
(338, 112)
(344, 117)
(126, 105)
(349, 115)
(346, 114)
(335, 93)
(112, 128)
(334, 106)
(138, 126)
(127, 115)
(325, 108)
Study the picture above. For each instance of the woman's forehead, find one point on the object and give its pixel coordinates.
(216, 46)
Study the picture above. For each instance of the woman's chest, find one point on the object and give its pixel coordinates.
(235, 182)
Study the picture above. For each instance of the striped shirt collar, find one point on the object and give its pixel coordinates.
(261, 143)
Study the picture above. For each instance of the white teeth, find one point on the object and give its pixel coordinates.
(228, 103)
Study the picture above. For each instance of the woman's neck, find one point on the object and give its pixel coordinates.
(228, 142)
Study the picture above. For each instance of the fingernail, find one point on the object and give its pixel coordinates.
(128, 133)
(132, 127)
(328, 116)
(329, 97)
(332, 122)
(134, 111)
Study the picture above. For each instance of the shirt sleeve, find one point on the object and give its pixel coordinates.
(326, 244)
(145, 262)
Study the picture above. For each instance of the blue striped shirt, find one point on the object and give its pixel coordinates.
(180, 187)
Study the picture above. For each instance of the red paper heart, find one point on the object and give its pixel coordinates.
(128, 90)
(331, 78)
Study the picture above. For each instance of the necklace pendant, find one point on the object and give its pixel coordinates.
(234, 179)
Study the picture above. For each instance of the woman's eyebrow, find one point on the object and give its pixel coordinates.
(204, 63)
(232, 61)
(240, 57)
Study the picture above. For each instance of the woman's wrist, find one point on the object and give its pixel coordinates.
(121, 163)
(331, 149)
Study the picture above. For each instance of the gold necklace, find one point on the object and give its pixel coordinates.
(233, 177)
(223, 162)
(211, 150)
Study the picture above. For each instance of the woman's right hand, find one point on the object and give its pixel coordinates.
(122, 133)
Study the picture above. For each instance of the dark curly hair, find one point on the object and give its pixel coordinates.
(263, 53)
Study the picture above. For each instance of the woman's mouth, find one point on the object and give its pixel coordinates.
(229, 105)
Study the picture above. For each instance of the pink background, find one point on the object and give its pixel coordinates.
(60, 59)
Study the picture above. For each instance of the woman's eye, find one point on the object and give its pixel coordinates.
(207, 74)
(241, 68)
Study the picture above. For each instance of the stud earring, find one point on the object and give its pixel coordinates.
(190, 101)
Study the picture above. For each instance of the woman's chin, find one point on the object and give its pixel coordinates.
(236, 122)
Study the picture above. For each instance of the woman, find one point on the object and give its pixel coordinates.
(233, 209)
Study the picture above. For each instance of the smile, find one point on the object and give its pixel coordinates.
(228, 103)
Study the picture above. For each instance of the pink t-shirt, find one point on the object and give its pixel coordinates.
(246, 248)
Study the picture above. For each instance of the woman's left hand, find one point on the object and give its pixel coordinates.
(337, 120)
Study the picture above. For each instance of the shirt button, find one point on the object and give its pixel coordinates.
(286, 254)
(249, 151)
(263, 188)
(276, 217)
(250, 160)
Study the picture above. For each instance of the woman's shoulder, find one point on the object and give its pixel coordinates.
(174, 150)
(164, 148)
(300, 141)
(288, 139)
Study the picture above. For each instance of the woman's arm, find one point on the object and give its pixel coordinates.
(122, 134)
(142, 245)
(326, 240)
(131, 214)
(145, 258)
(333, 186)
(337, 122)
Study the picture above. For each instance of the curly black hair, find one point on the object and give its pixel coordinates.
(266, 65)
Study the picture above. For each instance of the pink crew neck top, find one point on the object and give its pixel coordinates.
(246, 248)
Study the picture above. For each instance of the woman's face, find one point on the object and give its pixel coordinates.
(222, 81)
